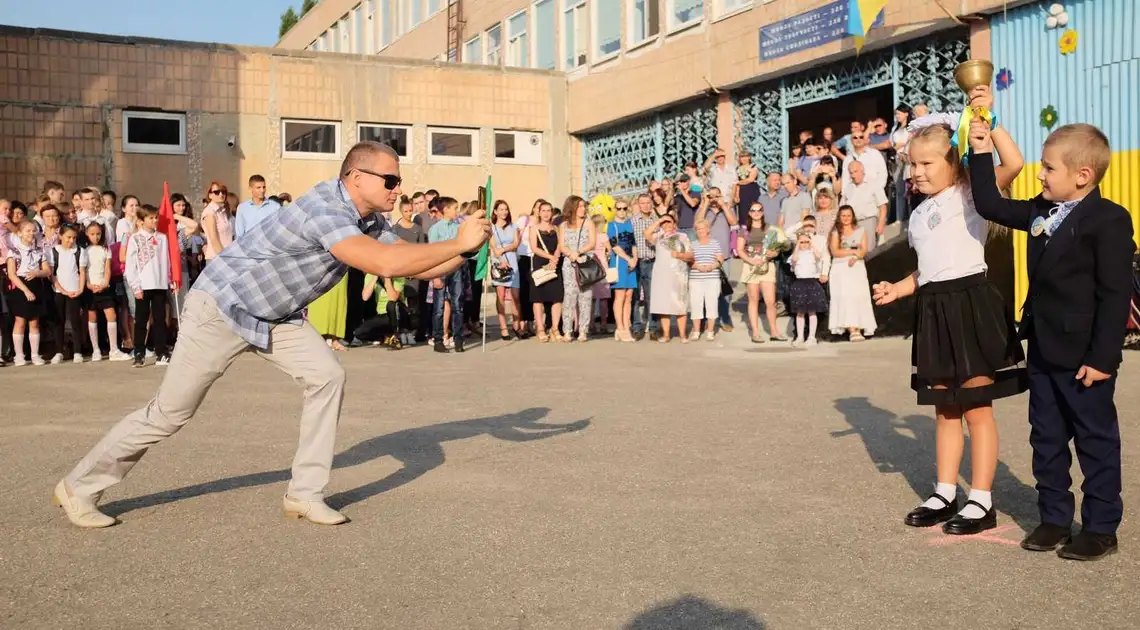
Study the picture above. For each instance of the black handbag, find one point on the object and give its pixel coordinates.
(590, 272)
(725, 285)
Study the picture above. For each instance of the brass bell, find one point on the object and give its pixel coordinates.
(970, 74)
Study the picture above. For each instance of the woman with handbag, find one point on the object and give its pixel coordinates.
(580, 268)
(622, 269)
(545, 278)
(669, 287)
(505, 269)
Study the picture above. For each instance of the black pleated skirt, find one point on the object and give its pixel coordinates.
(964, 329)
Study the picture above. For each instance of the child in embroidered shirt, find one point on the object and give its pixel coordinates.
(28, 272)
(99, 296)
(964, 348)
(69, 277)
(148, 274)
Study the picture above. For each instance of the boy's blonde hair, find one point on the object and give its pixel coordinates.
(1082, 145)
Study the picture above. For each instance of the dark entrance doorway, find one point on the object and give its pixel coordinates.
(838, 113)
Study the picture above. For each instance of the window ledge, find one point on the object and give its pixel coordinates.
(643, 43)
(609, 57)
(680, 28)
(298, 155)
(733, 13)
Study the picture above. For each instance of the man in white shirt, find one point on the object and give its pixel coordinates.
(718, 174)
(875, 167)
(869, 202)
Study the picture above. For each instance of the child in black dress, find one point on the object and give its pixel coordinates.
(29, 291)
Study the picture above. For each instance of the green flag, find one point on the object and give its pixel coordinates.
(484, 254)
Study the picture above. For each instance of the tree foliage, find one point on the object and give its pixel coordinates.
(288, 20)
(307, 5)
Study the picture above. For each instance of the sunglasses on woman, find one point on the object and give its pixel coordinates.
(217, 192)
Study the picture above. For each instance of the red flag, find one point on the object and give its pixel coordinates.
(168, 226)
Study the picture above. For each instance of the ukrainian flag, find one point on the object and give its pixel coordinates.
(861, 15)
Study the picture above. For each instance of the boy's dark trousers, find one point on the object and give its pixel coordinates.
(452, 291)
(152, 303)
(1062, 409)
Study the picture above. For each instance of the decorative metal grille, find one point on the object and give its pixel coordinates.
(926, 73)
(688, 133)
(836, 80)
(624, 159)
(758, 119)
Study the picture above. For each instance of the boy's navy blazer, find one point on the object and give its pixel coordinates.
(1080, 279)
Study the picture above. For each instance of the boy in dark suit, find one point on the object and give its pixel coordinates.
(1080, 282)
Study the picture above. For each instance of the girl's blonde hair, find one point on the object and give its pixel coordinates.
(599, 220)
(941, 135)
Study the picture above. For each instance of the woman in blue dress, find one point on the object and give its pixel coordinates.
(504, 270)
(623, 257)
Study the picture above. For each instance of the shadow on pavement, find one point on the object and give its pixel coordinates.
(419, 450)
(906, 445)
(690, 612)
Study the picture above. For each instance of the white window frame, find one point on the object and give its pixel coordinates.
(407, 130)
(532, 26)
(450, 159)
(357, 21)
(568, 7)
(369, 26)
(511, 37)
(301, 155)
(516, 133)
(488, 52)
(595, 54)
(631, 12)
(158, 149)
(478, 41)
(672, 26)
(722, 10)
(344, 29)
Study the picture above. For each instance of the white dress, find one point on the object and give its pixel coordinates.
(850, 305)
(669, 290)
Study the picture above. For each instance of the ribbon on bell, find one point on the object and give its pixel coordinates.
(961, 139)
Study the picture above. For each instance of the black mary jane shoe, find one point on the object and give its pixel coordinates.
(1088, 546)
(929, 517)
(962, 526)
(1047, 537)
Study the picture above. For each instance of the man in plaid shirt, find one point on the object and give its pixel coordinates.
(642, 219)
(250, 297)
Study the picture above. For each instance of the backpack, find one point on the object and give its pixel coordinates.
(55, 259)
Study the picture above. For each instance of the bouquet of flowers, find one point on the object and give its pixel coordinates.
(774, 239)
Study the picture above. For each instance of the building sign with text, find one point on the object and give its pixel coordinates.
(807, 30)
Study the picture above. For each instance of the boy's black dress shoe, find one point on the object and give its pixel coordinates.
(458, 346)
(439, 347)
(1046, 537)
(962, 526)
(928, 517)
(1089, 546)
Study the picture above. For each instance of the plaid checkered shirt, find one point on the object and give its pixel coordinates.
(640, 224)
(273, 271)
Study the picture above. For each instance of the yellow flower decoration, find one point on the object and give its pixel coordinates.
(602, 204)
(1068, 42)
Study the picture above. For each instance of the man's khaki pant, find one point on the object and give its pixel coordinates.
(206, 348)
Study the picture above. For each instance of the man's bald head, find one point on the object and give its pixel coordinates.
(364, 155)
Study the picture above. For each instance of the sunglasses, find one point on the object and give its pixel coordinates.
(217, 192)
(390, 181)
(756, 211)
(621, 208)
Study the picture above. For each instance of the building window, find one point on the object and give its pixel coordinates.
(345, 35)
(358, 30)
(644, 20)
(385, 23)
(154, 132)
(434, 6)
(685, 12)
(607, 28)
(574, 34)
(310, 139)
(417, 13)
(518, 147)
(396, 136)
(473, 51)
(369, 27)
(494, 45)
(518, 44)
(545, 45)
(453, 145)
(453, 55)
(725, 7)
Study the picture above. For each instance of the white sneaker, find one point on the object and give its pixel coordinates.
(38, 360)
(314, 511)
(57, 359)
(19, 361)
(812, 342)
(695, 335)
(78, 358)
(163, 361)
(449, 342)
(81, 512)
(96, 356)
(710, 336)
(150, 354)
(119, 355)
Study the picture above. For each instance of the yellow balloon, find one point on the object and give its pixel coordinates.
(602, 204)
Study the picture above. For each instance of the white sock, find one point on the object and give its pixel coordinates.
(973, 511)
(945, 490)
(799, 327)
(813, 321)
(113, 335)
(34, 344)
(18, 344)
(93, 333)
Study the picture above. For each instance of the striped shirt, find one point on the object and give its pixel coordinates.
(705, 254)
(283, 263)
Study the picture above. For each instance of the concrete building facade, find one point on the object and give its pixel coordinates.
(129, 113)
